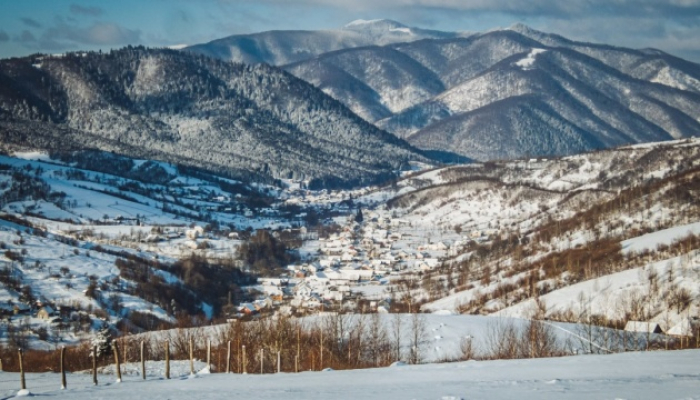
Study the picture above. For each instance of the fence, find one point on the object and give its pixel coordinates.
(118, 355)
(265, 346)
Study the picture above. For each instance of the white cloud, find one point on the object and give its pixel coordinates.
(85, 10)
(99, 33)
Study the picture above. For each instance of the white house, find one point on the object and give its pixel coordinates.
(45, 312)
(683, 328)
(643, 326)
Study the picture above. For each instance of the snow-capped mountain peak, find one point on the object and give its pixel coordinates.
(521, 28)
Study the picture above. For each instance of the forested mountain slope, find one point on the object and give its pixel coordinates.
(173, 106)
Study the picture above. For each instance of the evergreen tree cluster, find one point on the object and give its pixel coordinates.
(247, 121)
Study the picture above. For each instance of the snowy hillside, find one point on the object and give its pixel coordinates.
(610, 236)
(248, 122)
(112, 248)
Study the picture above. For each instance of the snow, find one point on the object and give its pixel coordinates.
(647, 375)
(32, 155)
(527, 62)
(402, 30)
(676, 79)
(610, 295)
(664, 237)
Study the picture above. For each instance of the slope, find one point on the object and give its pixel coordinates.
(178, 107)
(604, 108)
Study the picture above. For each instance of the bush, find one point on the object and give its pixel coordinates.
(13, 256)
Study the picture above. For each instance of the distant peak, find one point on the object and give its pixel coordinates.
(520, 28)
(360, 24)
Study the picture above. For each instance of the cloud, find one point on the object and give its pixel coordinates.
(99, 33)
(4, 37)
(538, 8)
(26, 37)
(86, 10)
(671, 25)
(633, 32)
(30, 22)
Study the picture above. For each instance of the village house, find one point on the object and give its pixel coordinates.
(643, 326)
(686, 327)
(45, 312)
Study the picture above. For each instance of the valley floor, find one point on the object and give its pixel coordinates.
(635, 375)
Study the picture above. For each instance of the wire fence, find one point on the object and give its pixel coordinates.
(127, 366)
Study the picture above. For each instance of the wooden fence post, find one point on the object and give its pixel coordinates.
(167, 359)
(143, 361)
(244, 361)
(191, 356)
(22, 381)
(262, 354)
(279, 362)
(63, 370)
(228, 358)
(115, 348)
(296, 363)
(94, 365)
(209, 355)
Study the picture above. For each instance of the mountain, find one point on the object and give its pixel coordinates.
(513, 93)
(284, 47)
(246, 121)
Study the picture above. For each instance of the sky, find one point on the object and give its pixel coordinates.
(55, 26)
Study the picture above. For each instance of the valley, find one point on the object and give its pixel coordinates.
(561, 239)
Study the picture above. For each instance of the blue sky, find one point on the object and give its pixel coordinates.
(52, 26)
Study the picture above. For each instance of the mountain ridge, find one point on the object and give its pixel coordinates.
(248, 120)
(289, 46)
(617, 95)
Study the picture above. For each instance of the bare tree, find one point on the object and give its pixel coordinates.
(417, 338)
(502, 340)
(377, 341)
(397, 328)
(468, 348)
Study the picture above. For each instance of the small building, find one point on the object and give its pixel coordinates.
(684, 328)
(45, 312)
(643, 326)
(248, 309)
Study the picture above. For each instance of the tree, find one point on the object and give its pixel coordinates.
(103, 342)
(397, 328)
(265, 253)
(417, 337)
(358, 217)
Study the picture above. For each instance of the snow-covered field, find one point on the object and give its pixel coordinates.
(645, 375)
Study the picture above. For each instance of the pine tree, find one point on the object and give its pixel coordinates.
(358, 217)
(103, 342)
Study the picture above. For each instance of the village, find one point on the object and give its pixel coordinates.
(373, 260)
